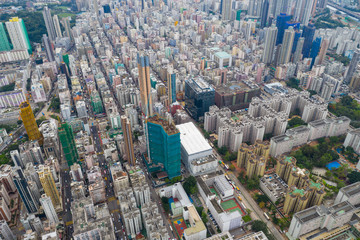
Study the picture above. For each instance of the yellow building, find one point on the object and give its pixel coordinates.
(296, 200)
(48, 183)
(30, 125)
(317, 193)
(284, 166)
(254, 158)
(127, 133)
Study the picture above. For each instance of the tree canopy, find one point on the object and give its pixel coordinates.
(348, 107)
(190, 186)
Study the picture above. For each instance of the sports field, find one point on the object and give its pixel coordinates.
(232, 205)
(180, 227)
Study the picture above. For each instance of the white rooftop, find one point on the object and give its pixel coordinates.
(191, 139)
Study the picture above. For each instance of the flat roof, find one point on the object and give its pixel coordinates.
(191, 139)
(222, 55)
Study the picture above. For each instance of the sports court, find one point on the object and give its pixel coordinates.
(232, 205)
(212, 189)
(180, 226)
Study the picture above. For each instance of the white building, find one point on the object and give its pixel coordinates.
(38, 92)
(225, 219)
(18, 34)
(49, 209)
(196, 153)
(185, 208)
(65, 111)
(81, 109)
(5, 231)
(353, 140)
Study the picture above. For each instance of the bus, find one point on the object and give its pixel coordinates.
(227, 178)
(226, 166)
(243, 205)
(266, 216)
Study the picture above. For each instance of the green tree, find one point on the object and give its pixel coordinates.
(261, 204)
(190, 186)
(19, 122)
(258, 226)
(354, 177)
(312, 92)
(295, 122)
(7, 88)
(165, 203)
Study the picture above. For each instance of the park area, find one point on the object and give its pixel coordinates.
(180, 226)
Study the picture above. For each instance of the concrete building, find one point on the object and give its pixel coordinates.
(225, 219)
(353, 140)
(97, 191)
(30, 125)
(254, 236)
(127, 133)
(76, 172)
(5, 231)
(196, 153)
(5, 213)
(274, 187)
(185, 208)
(300, 135)
(49, 209)
(48, 184)
(253, 158)
(349, 193)
(153, 221)
(90, 220)
(81, 109)
(18, 34)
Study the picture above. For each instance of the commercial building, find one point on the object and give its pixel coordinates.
(199, 96)
(96, 103)
(127, 133)
(143, 64)
(97, 191)
(196, 153)
(269, 45)
(236, 95)
(253, 158)
(30, 125)
(353, 140)
(48, 184)
(164, 145)
(49, 209)
(30, 201)
(349, 193)
(68, 145)
(18, 34)
(222, 59)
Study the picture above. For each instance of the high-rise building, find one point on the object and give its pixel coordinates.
(48, 48)
(323, 49)
(308, 34)
(16, 158)
(226, 6)
(5, 231)
(57, 26)
(199, 96)
(66, 24)
(68, 145)
(18, 34)
(287, 44)
(127, 133)
(353, 65)
(21, 183)
(4, 41)
(264, 13)
(96, 103)
(315, 48)
(145, 84)
(164, 145)
(255, 8)
(171, 84)
(281, 25)
(253, 158)
(48, 184)
(30, 125)
(49, 209)
(49, 23)
(96, 7)
(298, 50)
(270, 40)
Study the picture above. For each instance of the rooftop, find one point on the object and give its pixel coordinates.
(191, 139)
(236, 87)
(169, 128)
(222, 55)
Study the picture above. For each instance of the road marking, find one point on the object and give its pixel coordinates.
(111, 199)
(115, 210)
(69, 223)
